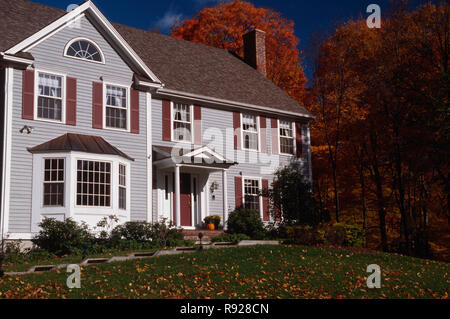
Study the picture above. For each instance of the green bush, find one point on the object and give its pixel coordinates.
(63, 238)
(158, 234)
(140, 232)
(230, 238)
(345, 235)
(246, 221)
(165, 235)
(303, 235)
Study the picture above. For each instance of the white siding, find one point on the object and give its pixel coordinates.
(49, 56)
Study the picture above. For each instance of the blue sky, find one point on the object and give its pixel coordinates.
(310, 16)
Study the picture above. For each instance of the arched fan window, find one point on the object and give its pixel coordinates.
(85, 50)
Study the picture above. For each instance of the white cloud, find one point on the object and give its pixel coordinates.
(168, 20)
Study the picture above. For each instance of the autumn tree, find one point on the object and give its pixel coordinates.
(224, 25)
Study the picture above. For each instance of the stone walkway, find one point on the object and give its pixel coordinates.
(142, 255)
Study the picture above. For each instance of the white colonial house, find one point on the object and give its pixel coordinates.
(103, 119)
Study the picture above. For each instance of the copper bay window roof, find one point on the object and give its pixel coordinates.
(79, 143)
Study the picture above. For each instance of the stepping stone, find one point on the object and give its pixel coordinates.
(95, 261)
(41, 268)
(259, 242)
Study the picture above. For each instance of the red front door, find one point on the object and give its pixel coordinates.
(185, 200)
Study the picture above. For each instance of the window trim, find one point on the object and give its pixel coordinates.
(258, 127)
(43, 182)
(63, 96)
(128, 89)
(191, 112)
(66, 48)
(259, 179)
(294, 134)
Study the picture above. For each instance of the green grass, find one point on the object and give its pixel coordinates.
(253, 272)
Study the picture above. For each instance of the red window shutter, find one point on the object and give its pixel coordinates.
(238, 192)
(275, 137)
(134, 111)
(97, 105)
(71, 101)
(237, 130)
(166, 129)
(266, 206)
(197, 125)
(28, 95)
(263, 128)
(299, 139)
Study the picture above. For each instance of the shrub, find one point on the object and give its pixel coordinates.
(246, 221)
(133, 231)
(158, 234)
(303, 235)
(291, 197)
(230, 238)
(62, 238)
(345, 235)
(166, 235)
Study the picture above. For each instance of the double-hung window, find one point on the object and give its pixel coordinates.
(286, 138)
(250, 134)
(252, 194)
(54, 178)
(182, 122)
(116, 107)
(122, 187)
(50, 97)
(93, 183)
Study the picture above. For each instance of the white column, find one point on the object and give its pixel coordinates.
(148, 97)
(177, 196)
(225, 197)
(7, 137)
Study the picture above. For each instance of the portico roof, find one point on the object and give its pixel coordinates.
(189, 156)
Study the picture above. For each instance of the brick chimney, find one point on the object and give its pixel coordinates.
(255, 50)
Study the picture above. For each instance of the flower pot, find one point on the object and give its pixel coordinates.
(211, 227)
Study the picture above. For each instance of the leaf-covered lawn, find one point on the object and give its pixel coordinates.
(254, 272)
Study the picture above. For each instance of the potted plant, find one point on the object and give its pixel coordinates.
(209, 222)
(216, 221)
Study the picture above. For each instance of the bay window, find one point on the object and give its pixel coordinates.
(122, 187)
(54, 176)
(93, 183)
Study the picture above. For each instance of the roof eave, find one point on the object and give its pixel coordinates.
(207, 99)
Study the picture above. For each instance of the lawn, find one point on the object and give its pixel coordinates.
(252, 272)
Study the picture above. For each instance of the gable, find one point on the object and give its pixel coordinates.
(49, 53)
(64, 21)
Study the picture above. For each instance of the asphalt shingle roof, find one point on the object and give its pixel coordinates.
(181, 65)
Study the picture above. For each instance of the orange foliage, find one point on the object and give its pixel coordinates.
(224, 25)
